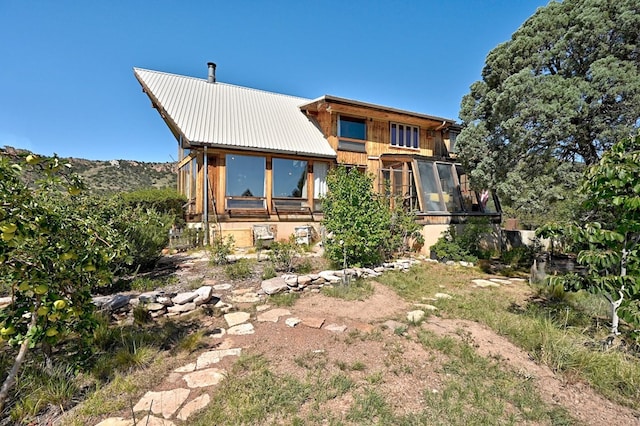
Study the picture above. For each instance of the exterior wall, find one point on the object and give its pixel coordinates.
(431, 233)
(242, 231)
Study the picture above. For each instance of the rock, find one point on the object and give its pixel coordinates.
(115, 421)
(236, 318)
(292, 322)
(153, 421)
(274, 285)
(154, 307)
(134, 302)
(443, 296)
(242, 329)
(304, 280)
(273, 315)
(192, 406)
(182, 298)
(312, 276)
(363, 327)
(415, 316)
(466, 264)
(166, 301)
(517, 280)
(148, 297)
(178, 309)
(261, 308)
(313, 322)
(425, 306)
(112, 303)
(213, 357)
(330, 276)
(204, 378)
(290, 279)
(5, 301)
(379, 269)
(500, 281)
(484, 283)
(186, 368)
(165, 402)
(222, 287)
(336, 328)
(204, 295)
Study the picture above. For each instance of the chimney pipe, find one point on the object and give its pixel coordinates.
(212, 72)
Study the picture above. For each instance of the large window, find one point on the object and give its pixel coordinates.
(352, 128)
(245, 180)
(431, 196)
(404, 136)
(352, 133)
(289, 178)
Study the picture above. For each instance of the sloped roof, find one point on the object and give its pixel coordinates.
(227, 116)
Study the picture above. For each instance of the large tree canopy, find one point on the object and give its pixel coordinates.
(562, 90)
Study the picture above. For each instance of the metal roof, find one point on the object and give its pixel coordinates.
(336, 99)
(233, 117)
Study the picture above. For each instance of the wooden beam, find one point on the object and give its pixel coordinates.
(186, 160)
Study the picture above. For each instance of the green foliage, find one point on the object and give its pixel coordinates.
(357, 290)
(357, 220)
(240, 269)
(220, 248)
(165, 201)
(284, 253)
(269, 272)
(561, 92)
(609, 242)
(464, 244)
(51, 255)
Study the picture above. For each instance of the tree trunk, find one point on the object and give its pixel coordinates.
(17, 363)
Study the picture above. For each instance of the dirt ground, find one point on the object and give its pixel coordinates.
(415, 369)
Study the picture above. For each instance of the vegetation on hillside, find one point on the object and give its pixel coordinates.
(109, 177)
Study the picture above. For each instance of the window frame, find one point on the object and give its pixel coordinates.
(401, 133)
(260, 202)
(348, 143)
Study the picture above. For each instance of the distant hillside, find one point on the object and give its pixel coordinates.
(107, 177)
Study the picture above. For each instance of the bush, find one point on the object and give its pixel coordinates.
(357, 220)
(220, 249)
(283, 254)
(167, 201)
(241, 269)
(447, 248)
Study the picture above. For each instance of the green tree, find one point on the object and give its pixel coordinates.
(51, 256)
(562, 90)
(611, 239)
(357, 220)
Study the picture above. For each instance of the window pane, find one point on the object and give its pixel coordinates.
(394, 135)
(416, 137)
(449, 190)
(354, 128)
(344, 145)
(401, 135)
(408, 136)
(487, 201)
(289, 178)
(320, 179)
(469, 199)
(430, 191)
(245, 203)
(245, 176)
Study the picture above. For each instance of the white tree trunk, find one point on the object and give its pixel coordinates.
(17, 363)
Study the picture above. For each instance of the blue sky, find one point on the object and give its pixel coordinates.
(67, 85)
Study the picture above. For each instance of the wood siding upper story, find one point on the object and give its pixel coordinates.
(431, 141)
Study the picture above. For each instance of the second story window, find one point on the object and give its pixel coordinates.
(404, 136)
(352, 128)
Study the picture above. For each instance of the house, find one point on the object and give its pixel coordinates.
(259, 158)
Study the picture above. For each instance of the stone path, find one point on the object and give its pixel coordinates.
(195, 382)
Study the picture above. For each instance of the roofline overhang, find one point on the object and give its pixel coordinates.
(382, 108)
(226, 147)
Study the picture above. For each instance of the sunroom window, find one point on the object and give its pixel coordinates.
(289, 185)
(245, 182)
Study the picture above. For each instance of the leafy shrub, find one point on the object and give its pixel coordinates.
(220, 248)
(269, 272)
(284, 253)
(447, 248)
(357, 220)
(241, 269)
(167, 201)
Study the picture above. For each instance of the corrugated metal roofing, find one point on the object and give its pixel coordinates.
(224, 115)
